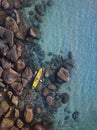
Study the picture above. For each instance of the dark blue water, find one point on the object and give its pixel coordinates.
(71, 25)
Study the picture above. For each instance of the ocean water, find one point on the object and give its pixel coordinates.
(71, 25)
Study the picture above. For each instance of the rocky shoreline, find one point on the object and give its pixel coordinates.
(20, 108)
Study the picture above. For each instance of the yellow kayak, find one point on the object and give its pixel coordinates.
(37, 78)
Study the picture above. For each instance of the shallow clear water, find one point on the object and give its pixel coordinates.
(71, 25)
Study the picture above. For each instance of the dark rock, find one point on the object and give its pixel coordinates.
(66, 118)
(20, 64)
(63, 74)
(3, 16)
(6, 36)
(70, 55)
(12, 54)
(39, 87)
(5, 63)
(28, 114)
(38, 17)
(11, 24)
(17, 87)
(49, 2)
(64, 98)
(31, 12)
(10, 76)
(40, 8)
(75, 115)
(27, 74)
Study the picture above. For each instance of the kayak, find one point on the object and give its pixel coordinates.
(37, 78)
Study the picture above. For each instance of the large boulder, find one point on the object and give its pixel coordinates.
(28, 114)
(63, 74)
(5, 4)
(10, 76)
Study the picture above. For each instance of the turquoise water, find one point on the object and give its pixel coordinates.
(71, 25)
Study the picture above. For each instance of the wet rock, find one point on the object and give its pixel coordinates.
(50, 100)
(7, 36)
(14, 128)
(17, 87)
(3, 16)
(40, 8)
(75, 115)
(1, 70)
(38, 17)
(66, 118)
(12, 54)
(11, 24)
(27, 74)
(20, 64)
(4, 105)
(64, 98)
(16, 113)
(7, 123)
(70, 55)
(28, 114)
(46, 92)
(14, 100)
(10, 76)
(52, 87)
(57, 100)
(8, 113)
(5, 4)
(5, 63)
(63, 74)
(34, 32)
(19, 123)
(38, 126)
(24, 82)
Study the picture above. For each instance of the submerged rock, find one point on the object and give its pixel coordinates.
(64, 98)
(63, 74)
(75, 115)
(28, 114)
(40, 8)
